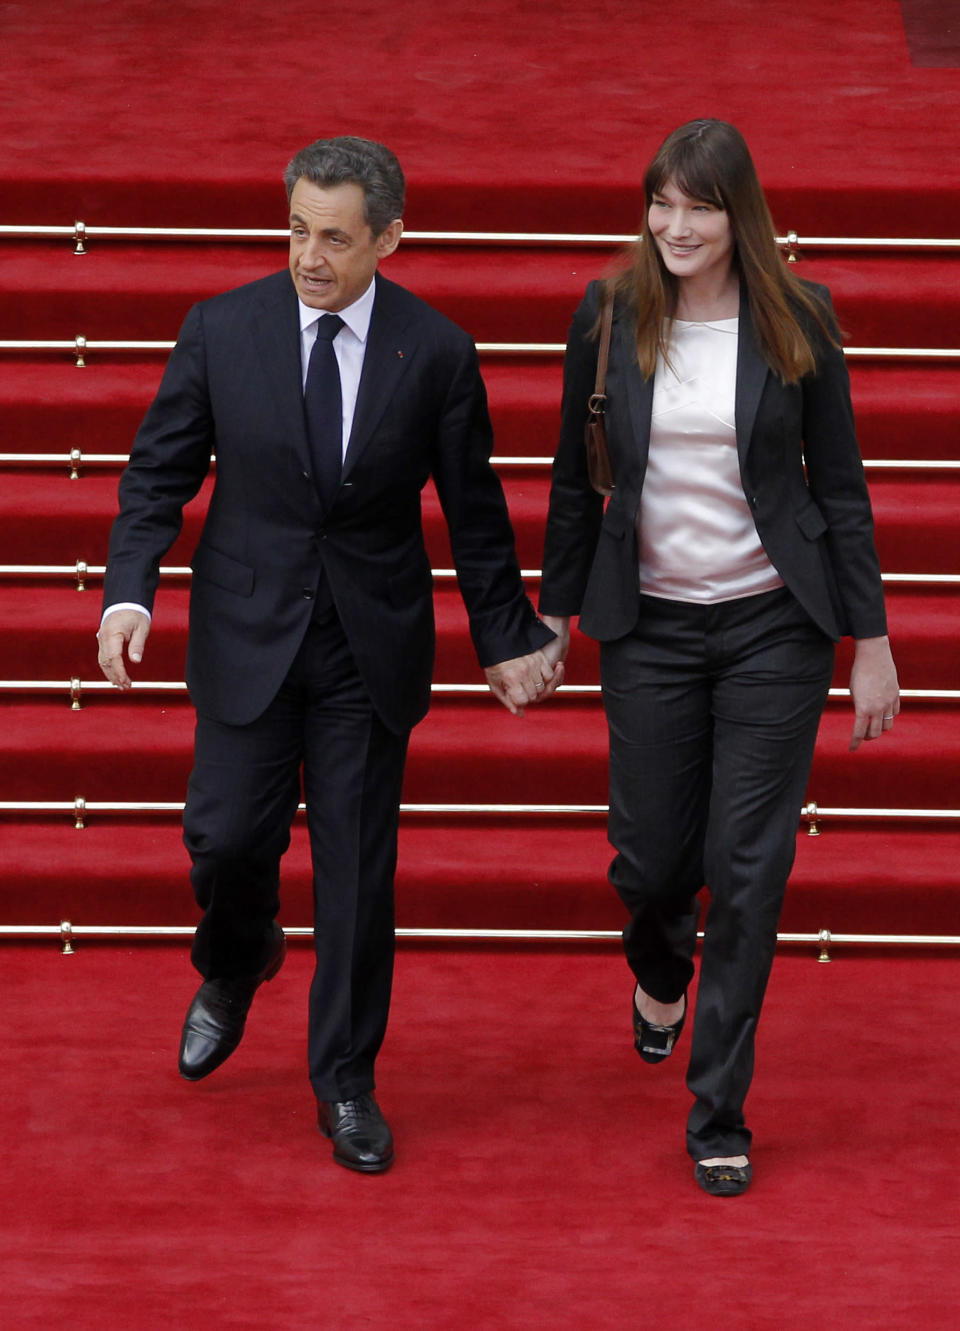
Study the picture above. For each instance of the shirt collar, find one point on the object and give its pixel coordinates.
(356, 316)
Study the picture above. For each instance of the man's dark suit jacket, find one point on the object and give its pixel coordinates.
(233, 386)
(799, 463)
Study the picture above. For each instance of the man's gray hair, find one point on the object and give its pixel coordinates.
(362, 162)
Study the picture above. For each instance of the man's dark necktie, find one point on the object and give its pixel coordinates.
(323, 408)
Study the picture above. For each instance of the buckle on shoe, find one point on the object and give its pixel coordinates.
(669, 1034)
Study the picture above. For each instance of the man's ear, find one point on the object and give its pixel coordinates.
(389, 238)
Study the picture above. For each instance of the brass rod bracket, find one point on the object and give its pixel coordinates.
(825, 938)
(76, 695)
(809, 814)
(79, 237)
(81, 574)
(74, 461)
(66, 938)
(79, 812)
(80, 351)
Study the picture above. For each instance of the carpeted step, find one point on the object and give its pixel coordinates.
(121, 291)
(47, 628)
(477, 873)
(49, 405)
(47, 519)
(127, 292)
(468, 750)
(904, 410)
(915, 517)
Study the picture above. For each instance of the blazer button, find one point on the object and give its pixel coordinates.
(308, 593)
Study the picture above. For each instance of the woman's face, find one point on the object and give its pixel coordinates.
(694, 237)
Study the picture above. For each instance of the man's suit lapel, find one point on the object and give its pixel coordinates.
(276, 329)
(390, 349)
(752, 371)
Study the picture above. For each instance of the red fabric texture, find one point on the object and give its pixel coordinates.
(476, 872)
(464, 750)
(518, 294)
(903, 409)
(54, 521)
(847, 136)
(541, 1178)
(540, 118)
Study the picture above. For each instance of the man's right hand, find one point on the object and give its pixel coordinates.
(121, 628)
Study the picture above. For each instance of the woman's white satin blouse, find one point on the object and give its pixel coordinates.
(696, 535)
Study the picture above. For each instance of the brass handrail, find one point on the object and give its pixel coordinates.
(66, 932)
(811, 810)
(80, 807)
(81, 571)
(81, 687)
(80, 232)
(77, 458)
(81, 347)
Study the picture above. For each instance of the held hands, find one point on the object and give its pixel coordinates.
(121, 628)
(560, 625)
(873, 687)
(528, 679)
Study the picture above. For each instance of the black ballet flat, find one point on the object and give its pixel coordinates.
(724, 1180)
(652, 1042)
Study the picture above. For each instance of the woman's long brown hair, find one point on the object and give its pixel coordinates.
(710, 161)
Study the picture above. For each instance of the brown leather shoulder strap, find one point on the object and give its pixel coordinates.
(606, 326)
(603, 355)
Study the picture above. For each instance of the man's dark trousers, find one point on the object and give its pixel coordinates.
(242, 797)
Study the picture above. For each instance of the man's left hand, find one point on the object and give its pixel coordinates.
(527, 679)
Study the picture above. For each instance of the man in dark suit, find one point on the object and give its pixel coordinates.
(329, 396)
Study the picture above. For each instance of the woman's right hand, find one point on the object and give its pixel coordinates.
(557, 650)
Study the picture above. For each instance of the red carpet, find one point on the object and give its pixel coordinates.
(541, 1178)
(537, 117)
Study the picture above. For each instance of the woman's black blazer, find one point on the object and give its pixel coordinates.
(799, 463)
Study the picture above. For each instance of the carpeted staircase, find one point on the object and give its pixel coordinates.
(503, 822)
(541, 1178)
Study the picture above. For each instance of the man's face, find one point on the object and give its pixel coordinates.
(333, 252)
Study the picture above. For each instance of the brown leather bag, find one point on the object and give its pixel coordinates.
(595, 435)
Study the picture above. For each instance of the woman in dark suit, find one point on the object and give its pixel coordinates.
(737, 547)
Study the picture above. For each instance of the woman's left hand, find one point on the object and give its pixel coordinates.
(874, 689)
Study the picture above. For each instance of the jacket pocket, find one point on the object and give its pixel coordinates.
(811, 521)
(222, 571)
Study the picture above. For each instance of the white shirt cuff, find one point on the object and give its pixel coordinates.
(124, 605)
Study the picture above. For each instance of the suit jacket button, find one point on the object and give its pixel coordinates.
(308, 593)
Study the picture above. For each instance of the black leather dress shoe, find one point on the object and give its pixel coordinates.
(215, 1019)
(361, 1136)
